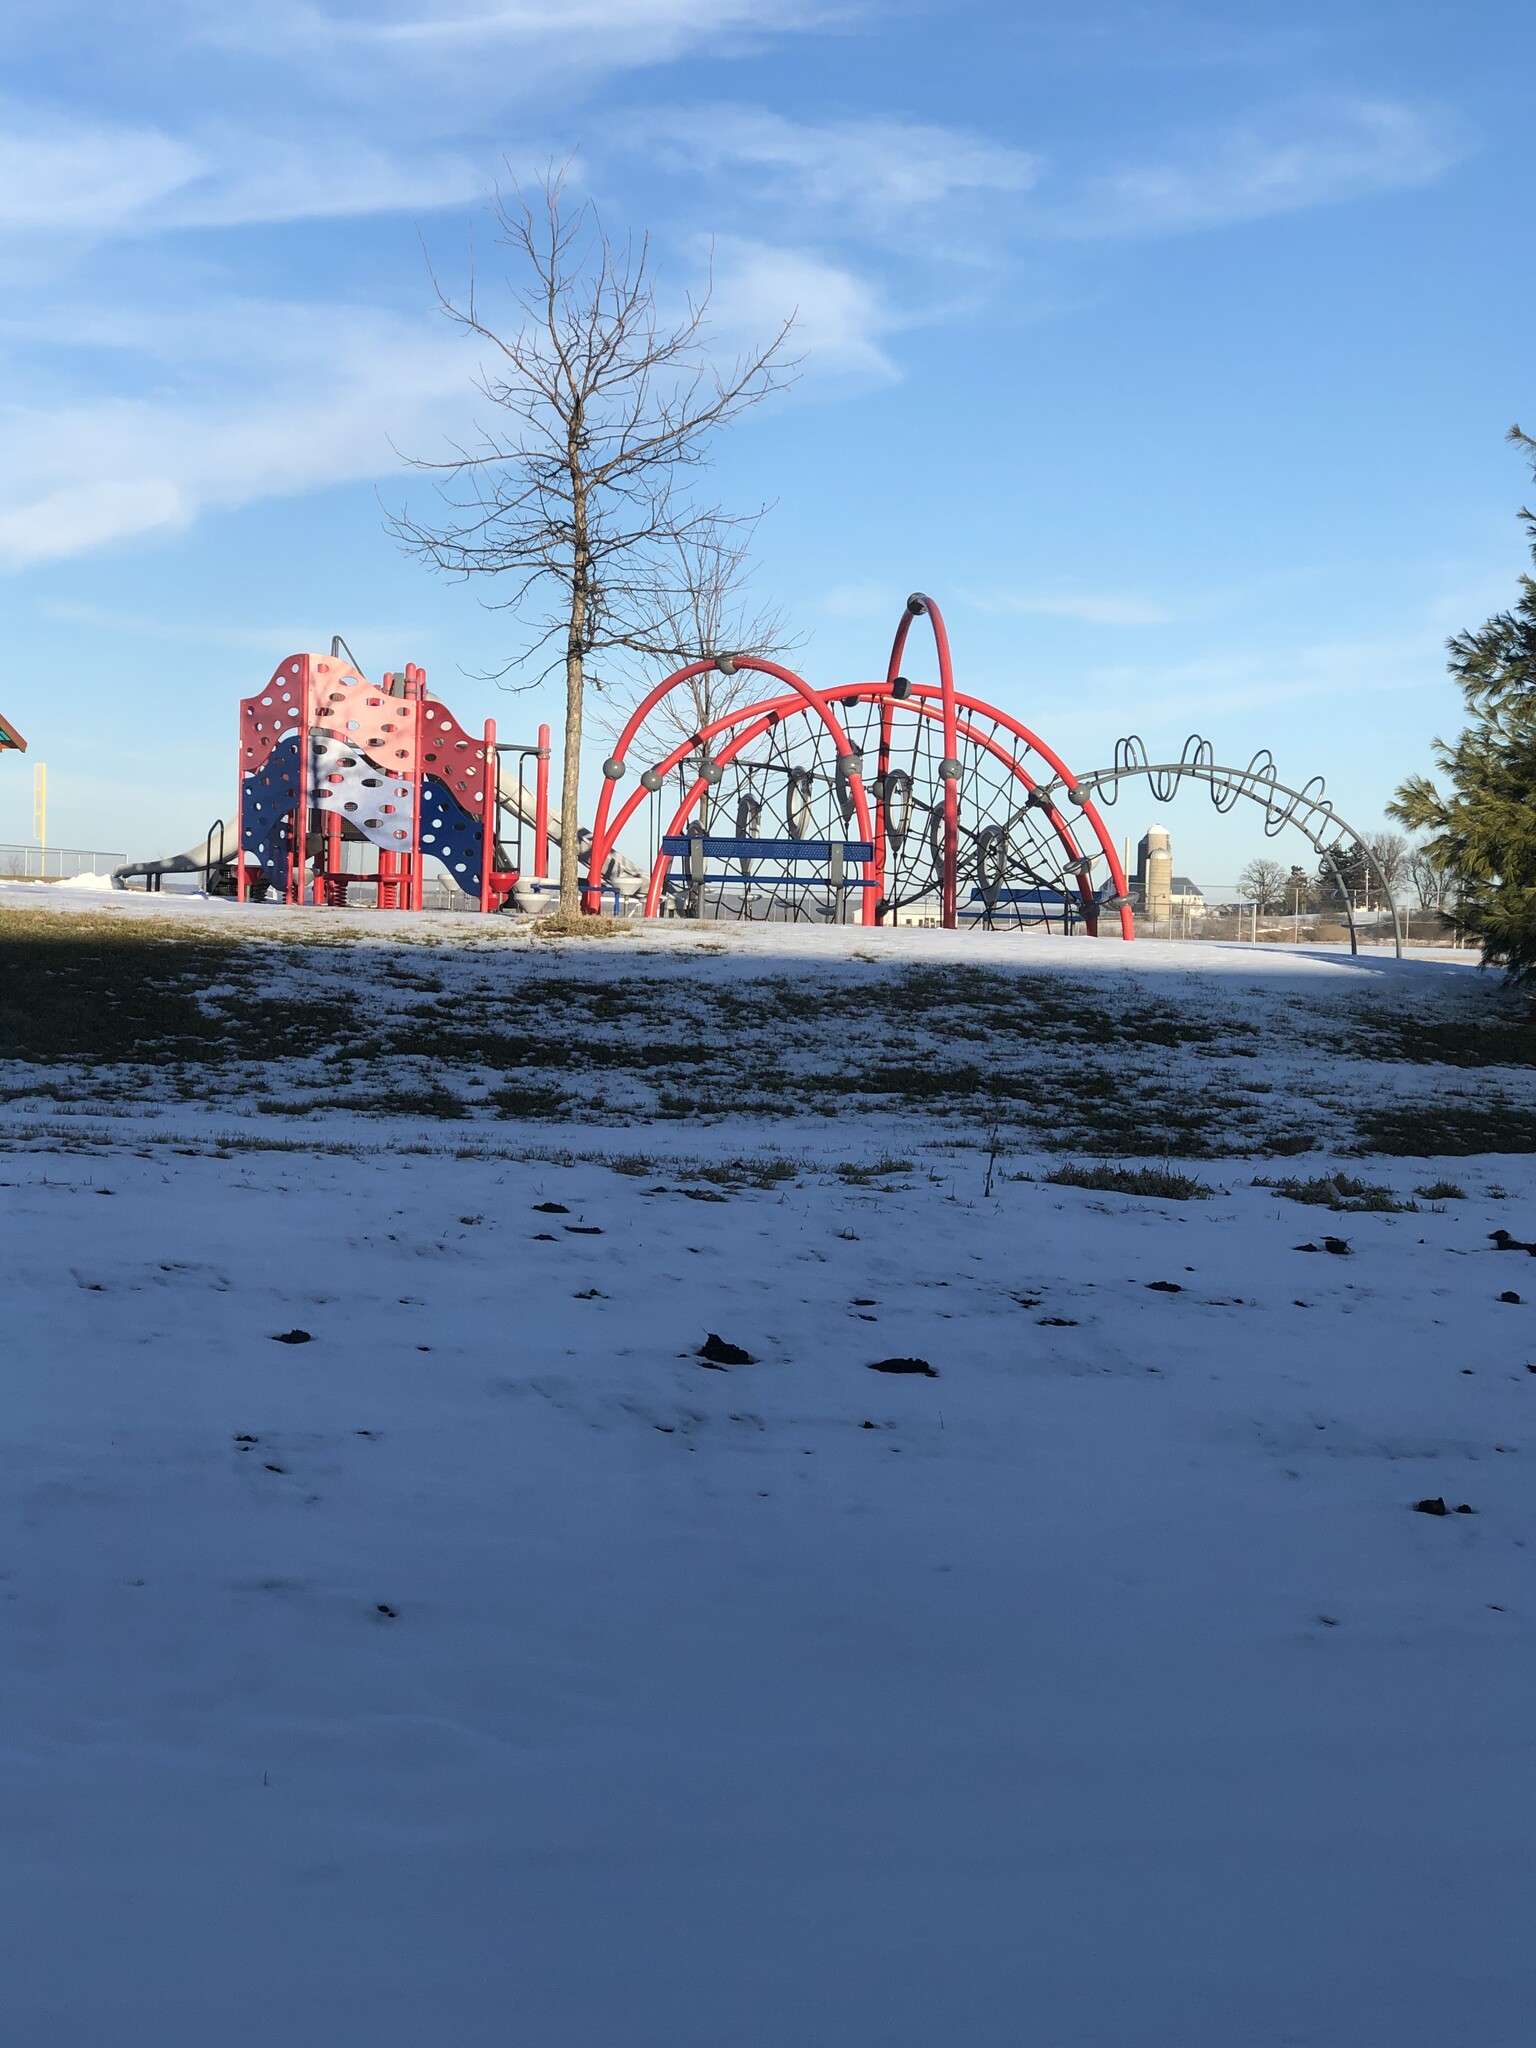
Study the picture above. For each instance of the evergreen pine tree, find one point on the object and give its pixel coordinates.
(1483, 829)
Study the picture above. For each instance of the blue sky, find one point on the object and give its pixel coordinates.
(1170, 347)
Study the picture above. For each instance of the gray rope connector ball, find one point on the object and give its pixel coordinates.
(613, 768)
(651, 780)
(949, 769)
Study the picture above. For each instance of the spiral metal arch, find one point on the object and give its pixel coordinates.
(1308, 810)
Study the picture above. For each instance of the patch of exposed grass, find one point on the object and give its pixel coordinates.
(1448, 1129)
(106, 988)
(765, 1172)
(528, 1099)
(1340, 1191)
(559, 924)
(1497, 1031)
(1442, 1191)
(1165, 1183)
(860, 1173)
(433, 1100)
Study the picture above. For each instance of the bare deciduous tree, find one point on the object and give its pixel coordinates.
(1263, 883)
(1431, 881)
(707, 614)
(1390, 852)
(575, 495)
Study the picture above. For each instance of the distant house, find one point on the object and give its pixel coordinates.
(1185, 897)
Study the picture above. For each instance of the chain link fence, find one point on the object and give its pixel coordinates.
(54, 863)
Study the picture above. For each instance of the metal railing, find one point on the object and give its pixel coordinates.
(54, 863)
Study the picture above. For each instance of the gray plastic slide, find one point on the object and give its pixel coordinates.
(219, 845)
(619, 873)
(211, 852)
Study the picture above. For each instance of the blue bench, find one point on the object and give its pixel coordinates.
(696, 848)
(835, 855)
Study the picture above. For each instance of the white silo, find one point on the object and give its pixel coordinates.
(1154, 874)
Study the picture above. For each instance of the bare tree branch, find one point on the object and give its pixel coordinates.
(573, 495)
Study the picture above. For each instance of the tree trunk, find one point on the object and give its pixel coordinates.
(571, 878)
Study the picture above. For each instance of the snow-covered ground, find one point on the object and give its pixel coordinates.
(490, 1669)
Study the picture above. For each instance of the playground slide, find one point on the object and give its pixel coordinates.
(517, 798)
(210, 853)
(534, 894)
(217, 849)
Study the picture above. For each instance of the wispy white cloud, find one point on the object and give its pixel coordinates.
(229, 402)
(71, 177)
(1245, 678)
(268, 640)
(876, 172)
(878, 175)
(1286, 163)
(450, 41)
(1092, 607)
(320, 408)
(92, 180)
(841, 319)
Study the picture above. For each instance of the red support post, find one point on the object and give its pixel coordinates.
(416, 690)
(298, 845)
(541, 808)
(920, 606)
(488, 820)
(335, 887)
(240, 887)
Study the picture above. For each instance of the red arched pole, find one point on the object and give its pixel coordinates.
(765, 722)
(919, 606)
(1089, 810)
(768, 715)
(604, 835)
(758, 718)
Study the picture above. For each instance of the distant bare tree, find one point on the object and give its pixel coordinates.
(1390, 851)
(574, 495)
(1263, 883)
(1430, 881)
(703, 613)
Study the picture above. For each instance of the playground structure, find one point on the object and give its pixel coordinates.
(770, 809)
(875, 802)
(347, 784)
(329, 761)
(10, 739)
